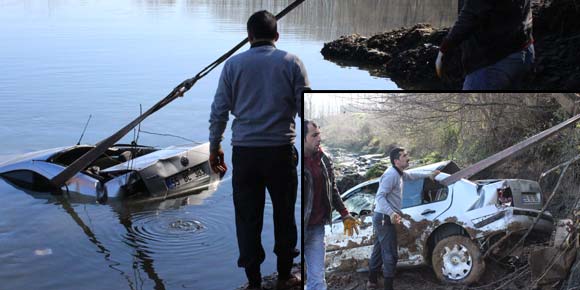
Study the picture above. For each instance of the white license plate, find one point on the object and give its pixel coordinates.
(191, 175)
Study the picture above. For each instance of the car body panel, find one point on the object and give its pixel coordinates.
(163, 172)
(18, 161)
(472, 206)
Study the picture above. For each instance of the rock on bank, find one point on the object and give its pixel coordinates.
(407, 55)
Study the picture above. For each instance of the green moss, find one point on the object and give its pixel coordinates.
(432, 157)
(376, 170)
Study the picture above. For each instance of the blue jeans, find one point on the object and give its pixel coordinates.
(385, 247)
(507, 73)
(314, 252)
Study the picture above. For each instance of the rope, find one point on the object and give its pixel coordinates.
(78, 165)
(187, 84)
(171, 135)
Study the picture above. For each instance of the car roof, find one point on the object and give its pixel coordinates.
(36, 155)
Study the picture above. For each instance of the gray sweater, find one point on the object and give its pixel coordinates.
(390, 193)
(262, 88)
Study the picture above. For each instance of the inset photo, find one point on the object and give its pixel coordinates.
(426, 190)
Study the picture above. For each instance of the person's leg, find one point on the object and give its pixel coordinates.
(389, 251)
(376, 260)
(524, 64)
(282, 184)
(507, 73)
(249, 198)
(487, 78)
(314, 252)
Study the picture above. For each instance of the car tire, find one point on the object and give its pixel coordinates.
(457, 260)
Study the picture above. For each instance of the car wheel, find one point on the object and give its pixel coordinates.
(457, 260)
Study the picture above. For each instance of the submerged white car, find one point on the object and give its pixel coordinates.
(122, 172)
(450, 228)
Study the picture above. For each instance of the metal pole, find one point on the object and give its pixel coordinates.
(510, 151)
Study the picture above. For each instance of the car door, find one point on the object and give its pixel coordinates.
(423, 201)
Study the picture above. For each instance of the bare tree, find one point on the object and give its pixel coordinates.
(455, 123)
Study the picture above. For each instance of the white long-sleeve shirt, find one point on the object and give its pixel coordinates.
(390, 193)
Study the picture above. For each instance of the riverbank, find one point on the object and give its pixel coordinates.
(407, 55)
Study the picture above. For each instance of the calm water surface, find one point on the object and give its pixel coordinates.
(61, 61)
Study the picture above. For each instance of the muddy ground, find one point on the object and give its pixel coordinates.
(512, 274)
(269, 282)
(409, 279)
(407, 55)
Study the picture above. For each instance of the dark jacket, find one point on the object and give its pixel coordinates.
(332, 199)
(489, 30)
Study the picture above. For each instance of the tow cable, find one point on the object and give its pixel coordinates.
(60, 179)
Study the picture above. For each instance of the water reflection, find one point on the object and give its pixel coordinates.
(141, 251)
(157, 3)
(149, 228)
(328, 19)
(146, 261)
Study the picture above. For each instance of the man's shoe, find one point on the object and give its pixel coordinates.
(293, 281)
(388, 283)
(254, 277)
(372, 286)
(251, 287)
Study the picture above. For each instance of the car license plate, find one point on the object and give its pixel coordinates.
(182, 178)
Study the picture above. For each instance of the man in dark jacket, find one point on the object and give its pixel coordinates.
(495, 37)
(321, 195)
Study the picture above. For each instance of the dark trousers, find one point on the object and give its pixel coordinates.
(256, 169)
(385, 246)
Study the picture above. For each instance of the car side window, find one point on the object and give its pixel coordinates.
(434, 191)
(412, 192)
(423, 191)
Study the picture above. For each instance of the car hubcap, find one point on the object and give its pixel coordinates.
(456, 262)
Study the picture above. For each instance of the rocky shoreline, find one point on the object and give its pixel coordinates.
(407, 55)
(351, 169)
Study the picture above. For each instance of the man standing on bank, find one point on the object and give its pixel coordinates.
(388, 213)
(321, 196)
(496, 43)
(262, 89)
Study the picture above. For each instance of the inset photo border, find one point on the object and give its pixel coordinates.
(423, 189)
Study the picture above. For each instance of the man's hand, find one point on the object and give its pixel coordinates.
(434, 173)
(439, 64)
(350, 223)
(216, 161)
(395, 218)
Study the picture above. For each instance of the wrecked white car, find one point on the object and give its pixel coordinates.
(123, 171)
(450, 228)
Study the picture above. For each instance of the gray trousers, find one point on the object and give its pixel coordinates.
(385, 246)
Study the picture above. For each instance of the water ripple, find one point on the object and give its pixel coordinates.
(168, 227)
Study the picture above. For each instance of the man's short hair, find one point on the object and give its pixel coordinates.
(262, 24)
(395, 154)
(306, 123)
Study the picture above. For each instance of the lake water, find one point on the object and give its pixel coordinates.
(63, 60)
